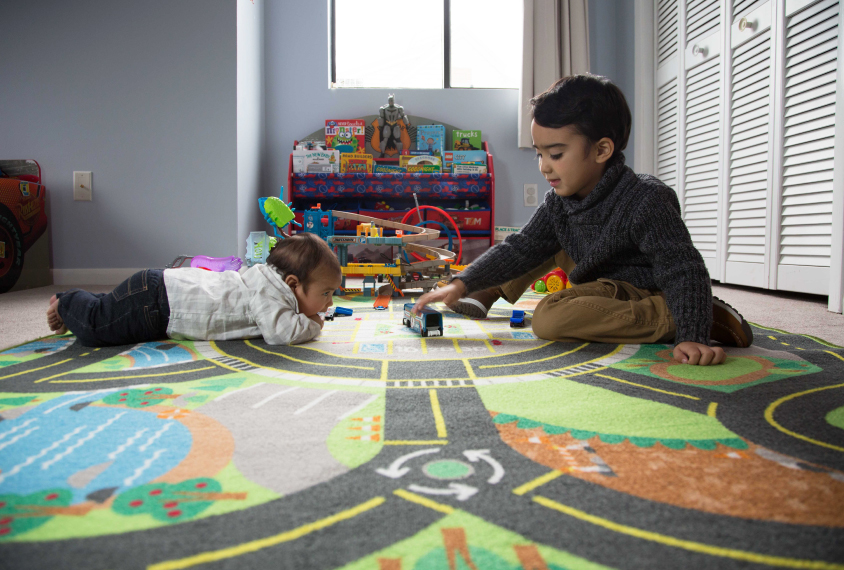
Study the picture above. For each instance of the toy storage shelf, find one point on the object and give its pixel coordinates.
(358, 193)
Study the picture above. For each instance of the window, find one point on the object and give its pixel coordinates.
(426, 44)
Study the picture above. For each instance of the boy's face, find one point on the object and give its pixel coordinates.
(318, 296)
(568, 161)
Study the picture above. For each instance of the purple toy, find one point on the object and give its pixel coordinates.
(218, 264)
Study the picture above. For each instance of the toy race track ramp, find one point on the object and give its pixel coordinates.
(411, 243)
(382, 302)
(413, 233)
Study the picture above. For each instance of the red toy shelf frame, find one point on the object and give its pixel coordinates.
(486, 184)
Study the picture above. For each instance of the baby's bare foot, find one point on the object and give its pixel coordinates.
(54, 321)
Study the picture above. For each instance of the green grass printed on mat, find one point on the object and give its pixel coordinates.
(490, 546)
(561, 402)
(836, 417)
(733, 367)
(351, 452)
(100, 522)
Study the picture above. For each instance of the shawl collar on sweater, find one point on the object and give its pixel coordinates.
(614, 177)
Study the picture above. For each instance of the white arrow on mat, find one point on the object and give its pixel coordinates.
(459, 490)
(474, 455)
(395, 470)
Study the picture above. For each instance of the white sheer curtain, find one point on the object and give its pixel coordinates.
(556, 44)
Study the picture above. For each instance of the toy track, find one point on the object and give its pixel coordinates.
(394, 286)
(417, 234)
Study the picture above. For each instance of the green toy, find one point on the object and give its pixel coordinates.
(277, 214)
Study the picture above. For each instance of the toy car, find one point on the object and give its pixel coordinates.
(554, 281)
(518, 319)
(342, 311)
(329, 314)
(428, 323)
(23, 219)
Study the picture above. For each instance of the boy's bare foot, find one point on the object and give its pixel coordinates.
(54, 321)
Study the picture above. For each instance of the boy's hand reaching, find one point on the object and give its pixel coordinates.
(694, 353)
(449, 295)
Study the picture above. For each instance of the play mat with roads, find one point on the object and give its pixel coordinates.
(375, 448)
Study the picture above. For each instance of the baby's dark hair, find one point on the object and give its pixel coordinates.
(302, 255)
(590, 103)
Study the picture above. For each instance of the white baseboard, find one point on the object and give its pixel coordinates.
(77, 277)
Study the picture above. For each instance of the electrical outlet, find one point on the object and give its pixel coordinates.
(82, 189)
(531, 195)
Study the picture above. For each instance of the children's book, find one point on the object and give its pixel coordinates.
(424, 168)
(471, 156)
(302, 159)
(431, 139)
(414, 152)
(461, 168)
(389, 168)
(407, 160)
(346, 135)
(355, 162)
(466, 140)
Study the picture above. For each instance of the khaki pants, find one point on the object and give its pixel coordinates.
(600, 311)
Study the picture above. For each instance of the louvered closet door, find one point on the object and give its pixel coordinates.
(702, 135)
(811, 61)
(749, 181)
(667, 104)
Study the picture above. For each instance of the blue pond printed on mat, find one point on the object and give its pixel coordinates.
(64, 443)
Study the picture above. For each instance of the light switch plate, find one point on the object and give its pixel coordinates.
(82, 189)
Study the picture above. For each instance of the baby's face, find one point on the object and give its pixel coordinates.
(320, 290)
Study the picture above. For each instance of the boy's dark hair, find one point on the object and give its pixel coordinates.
(301, 255)
(590, 103)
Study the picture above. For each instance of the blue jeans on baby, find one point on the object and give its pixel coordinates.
(136, 311)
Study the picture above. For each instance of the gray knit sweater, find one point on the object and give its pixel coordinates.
(628, 229)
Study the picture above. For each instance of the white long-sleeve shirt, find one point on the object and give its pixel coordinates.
(206, 305)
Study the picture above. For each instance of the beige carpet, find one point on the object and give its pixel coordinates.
(22, 313)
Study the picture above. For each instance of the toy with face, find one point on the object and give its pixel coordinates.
(345, 142)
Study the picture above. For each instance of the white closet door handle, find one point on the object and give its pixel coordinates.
(745, 24)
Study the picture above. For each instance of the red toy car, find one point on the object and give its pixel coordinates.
(554, 281)
(23, 219)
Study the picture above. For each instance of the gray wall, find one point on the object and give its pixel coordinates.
(611, 50)
(298, 98)
(299, 101)
(145, 95)
(142, 94)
